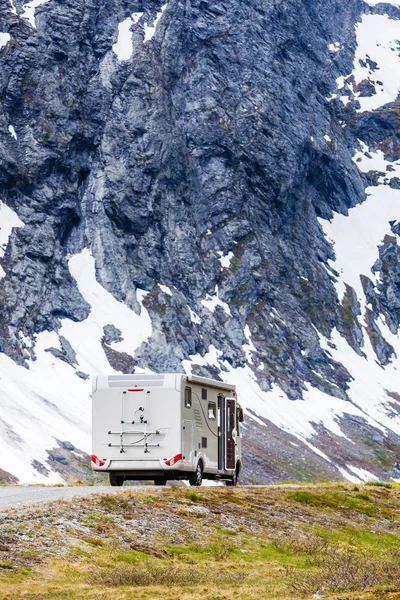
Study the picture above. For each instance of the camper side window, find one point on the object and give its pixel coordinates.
(212, 411)
(188, 397)
(203, 394)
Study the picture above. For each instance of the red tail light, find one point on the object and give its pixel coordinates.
(99, 462)
(136, 390)
(171, 461)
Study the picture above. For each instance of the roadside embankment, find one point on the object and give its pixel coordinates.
(341, 541)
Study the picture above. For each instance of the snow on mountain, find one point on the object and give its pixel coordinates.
(150, 30)
(4, 39)
(123, 47)
(205, 203)
(29, 10)
(377, 60)
(8, 220)
(12, 132)
(375, 2)
(50, 399)
(367, 393)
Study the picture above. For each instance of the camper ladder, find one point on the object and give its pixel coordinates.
(138, 443)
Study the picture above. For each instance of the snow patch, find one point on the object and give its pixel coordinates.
(362, 473)
(367, 160)
(304, 418)
(12, 131)
(355, 237)
(211, 303)
(8, 220)
(225, 260)
(4, 39)
(123, 47)
(376, 61)
(348, 475)
(194, 317)
(26, 341)
(105, 310)
(29, 10)
(150, 30)
(357, 475)
(39, 405)
(165, 289)
(13, 9)
(209, 359)
(249, 347)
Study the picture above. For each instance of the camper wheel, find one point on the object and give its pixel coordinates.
(234, 479)
(196, 478)
(116, 480)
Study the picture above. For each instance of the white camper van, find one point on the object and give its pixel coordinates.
(163, 427)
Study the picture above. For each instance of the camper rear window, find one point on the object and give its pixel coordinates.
(188, 397)
(212, 410)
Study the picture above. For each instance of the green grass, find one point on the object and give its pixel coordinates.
(193, 496)
(375, 542)
(382, 484)
(251, 544)
(336, 499)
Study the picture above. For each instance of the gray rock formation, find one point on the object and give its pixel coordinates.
(208, 140)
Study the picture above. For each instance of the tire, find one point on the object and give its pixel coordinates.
(234, 478)
(196, 478)
(116, 480)
(160, 482)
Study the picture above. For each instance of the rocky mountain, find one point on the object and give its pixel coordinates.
(205, 186)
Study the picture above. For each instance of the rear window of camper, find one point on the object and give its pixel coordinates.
(212, 410)
(188, 397)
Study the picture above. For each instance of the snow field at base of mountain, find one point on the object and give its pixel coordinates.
(48, 401)
(59, 401)
(105, 310)
(367, 392)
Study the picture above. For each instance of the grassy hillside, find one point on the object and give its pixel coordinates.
(341, 541)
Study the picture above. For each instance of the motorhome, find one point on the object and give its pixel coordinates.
(165, 427)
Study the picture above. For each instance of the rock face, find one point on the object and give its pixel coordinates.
(197, 148)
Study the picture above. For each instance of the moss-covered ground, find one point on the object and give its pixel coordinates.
(332, 540)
